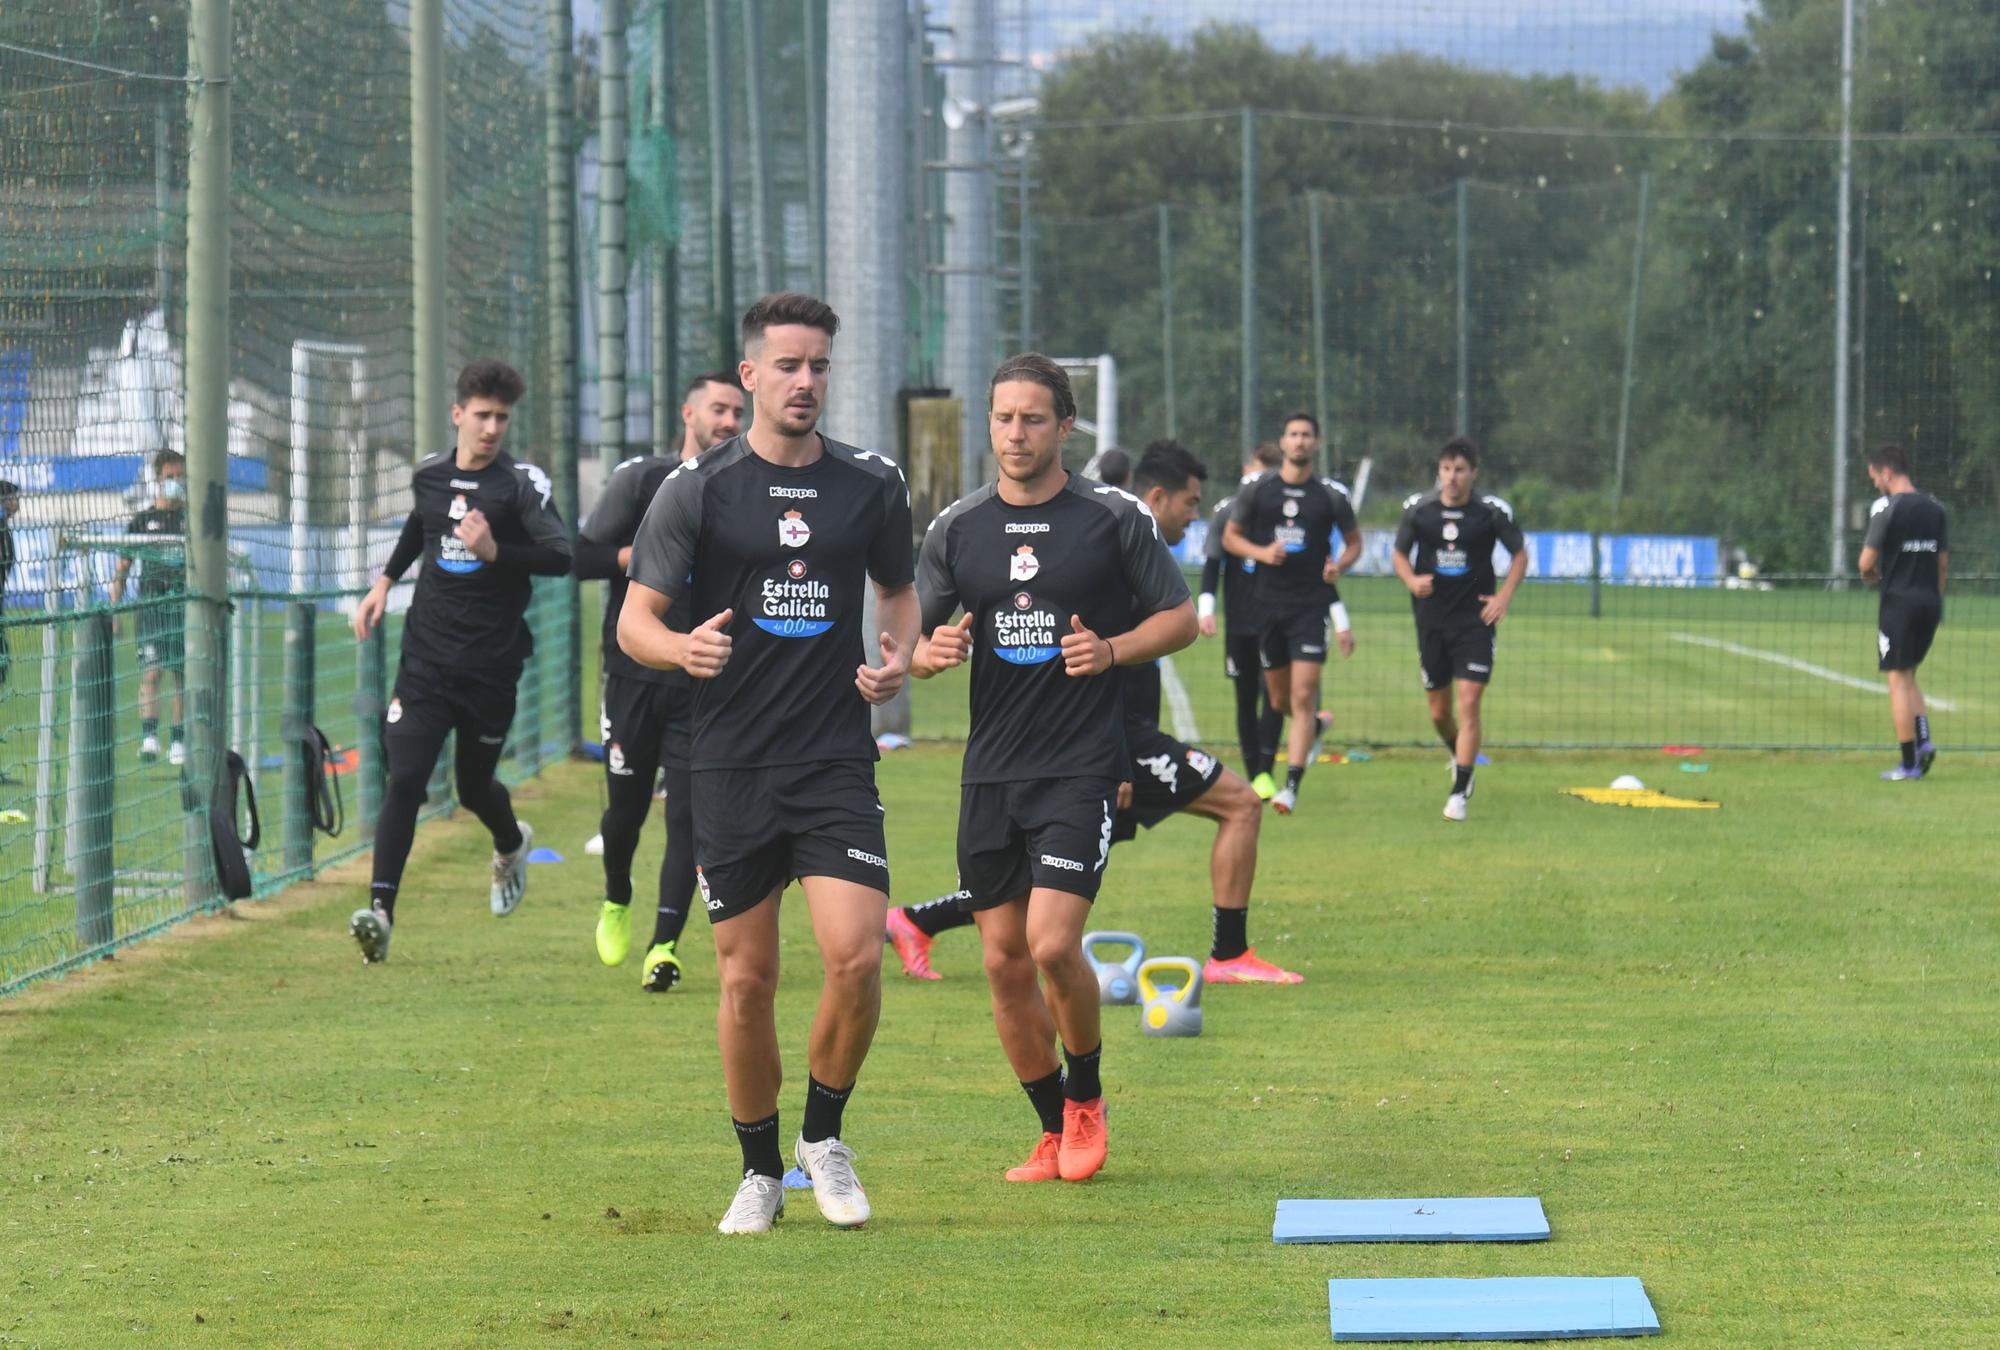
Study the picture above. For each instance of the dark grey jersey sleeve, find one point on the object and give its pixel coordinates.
(1244, 507)
(1343, 512)
(891, 560)
(547, 552)
(620, 507)
(937, 590)
(1211, 547)
(1877, 537)
(663, 550)
(1150, 569)
(1406, 529)
(1504, 527)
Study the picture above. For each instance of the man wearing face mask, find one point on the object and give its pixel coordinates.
(162, 572)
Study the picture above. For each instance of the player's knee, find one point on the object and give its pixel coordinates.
(747, 984)
(852, 965)
(1242, 807)
(1056, 953)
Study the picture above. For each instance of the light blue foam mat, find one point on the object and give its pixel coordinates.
(797, 1180)
(544, 855)
(1514, 1308)
(1495, 1218)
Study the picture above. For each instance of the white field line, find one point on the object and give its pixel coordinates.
(1804, 667)
(1182, 710)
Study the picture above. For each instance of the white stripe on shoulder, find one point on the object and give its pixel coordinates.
(1499, 504)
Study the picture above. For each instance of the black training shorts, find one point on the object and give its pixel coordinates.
(1240, 655)
(1904, 630)
(758, 830)
(1460, 652)
(1167, 777)
(1052, 833)
(645, 724)
(428, 702)
(1298, 636)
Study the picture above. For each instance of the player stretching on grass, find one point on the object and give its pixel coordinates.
(644, 713)
(1166, 776)
(485, 525)
(1258, 724)
(1906, 552)
(767, 540)
(1064, 579)
(1284, 523)
(1458, 610)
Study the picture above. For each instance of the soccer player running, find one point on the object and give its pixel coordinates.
(1062, 579)
(767, 541)
(1284, 523)
(1905, 552)
(485, 525)
(1457, 607)
(1258, 724)
(644, 714)
(161, 640)
(1166, 777)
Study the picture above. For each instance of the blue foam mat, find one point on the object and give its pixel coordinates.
(1513, 1308)
(797, 1180)
(1501, 1218)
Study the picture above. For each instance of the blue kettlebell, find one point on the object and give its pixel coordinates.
(1176, 1009)
(1117, 981)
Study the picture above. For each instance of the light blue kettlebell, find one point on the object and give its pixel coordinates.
(1174, 1010)
(1117, 981)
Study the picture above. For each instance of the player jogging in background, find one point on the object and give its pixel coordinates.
(1258, 724)
(644, 712)
(1284, 522)
(162, 644)
(767, 541)
(485, 525)
(1907, 552)
(1166, 776)
(1062, 579)
(1444, 554)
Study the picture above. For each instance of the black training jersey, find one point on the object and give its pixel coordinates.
(469, 615)
(1302, 516)
(1907, 532)
(162, 571)
(1454, 546)
(1238, 576)
(789, 550)
(613, 524)
(1090, 552)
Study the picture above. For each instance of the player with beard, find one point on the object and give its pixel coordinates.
(485, 526)
(644, 712)
(1065, 580)
(767, 541)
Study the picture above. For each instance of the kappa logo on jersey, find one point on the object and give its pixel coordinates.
(395, 710)
(1023, 565)
(869, 858)
(1882, 642)
(463, 485)
(1028, 527)
(801, 494)
(603, 723)
(614, 760)
(793, 532)
(1163, 768)
(793, 607)
(540, 482)
(1026, 634)
(1065, 864)
(1104, 839)
(457, 511)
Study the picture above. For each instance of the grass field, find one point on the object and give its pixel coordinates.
(1746, 1055)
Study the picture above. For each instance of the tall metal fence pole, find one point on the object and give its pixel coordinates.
(1167, 317)
(1318, 281)
(207, 438)
(612, 136)
(1631, 344)
(968, 209)
(721, 232)
(559, 94)
(666, 276)
(1843, 284)
(296, 724)
(427, 172)
(763, 233)
(1247, 409)
(97, 733)
(815, 76)
(1462, 404)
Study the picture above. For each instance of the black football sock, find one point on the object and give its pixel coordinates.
(823, 1108)
(1909, 749)
(180, 733)
(1923, 727)
(1046, 1095)
(1294, 775)
(1461, 782)
(1270, 726)
(938, 916)
(1081, 1083)
(759, 1139)
(382, 896)
(149, 726)
(1232, 928)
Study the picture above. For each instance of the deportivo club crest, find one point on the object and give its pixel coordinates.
(1450, 531)
(457, 511)
(1291, 510)
(793, 530)
(1023, 565)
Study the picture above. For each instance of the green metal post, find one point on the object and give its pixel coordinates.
(427, 171)
(815, 76)
(666, 263)
(1248, 407)
(1462, 415)
(371, 701)
(1319, 320)
(763, 234)
(559, 150)
(613, 266)
(1027, 252)
(1167, 316)
(91, 683)
(207, 436)
(1631, 344)
(301, 619)
(721, 241)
